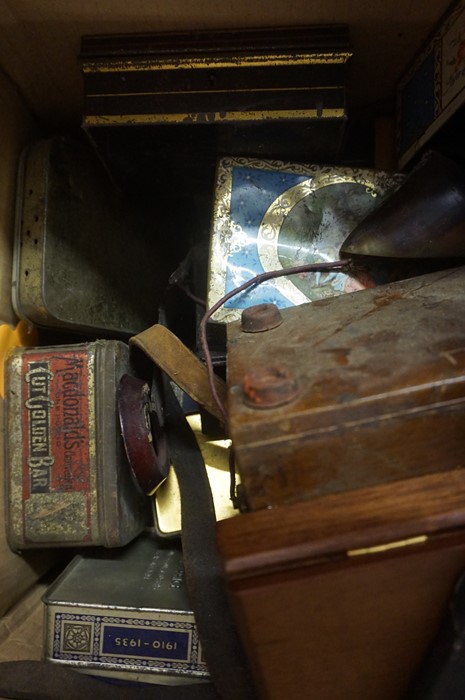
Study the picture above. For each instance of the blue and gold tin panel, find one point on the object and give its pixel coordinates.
(270, 215)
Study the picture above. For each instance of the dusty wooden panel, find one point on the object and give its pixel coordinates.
(380, 391)
(355, 632)
(344, 594)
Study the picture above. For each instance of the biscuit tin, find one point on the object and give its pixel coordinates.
(432, 89)
(269, 215)
(125, 615)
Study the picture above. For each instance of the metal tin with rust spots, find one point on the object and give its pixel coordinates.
(82, 258)
(68, 481)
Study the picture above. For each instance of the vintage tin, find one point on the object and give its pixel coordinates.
(161, 108)
(207, 77)
(269, 215)
(83, 259)
(432, 89)
(68, 479)
(125, 615)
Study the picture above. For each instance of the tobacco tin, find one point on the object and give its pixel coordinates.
(125, 614)
(68, 479)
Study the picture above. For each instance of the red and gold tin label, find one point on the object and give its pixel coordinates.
(51, 444)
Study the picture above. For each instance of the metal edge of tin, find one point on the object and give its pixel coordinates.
(29, 236)
(220, 231)
(12, 452)
(47, 626)
(17, 232)
(117, 520)
(58, 580)
(96, 526)
(130, 677)
(103, 427)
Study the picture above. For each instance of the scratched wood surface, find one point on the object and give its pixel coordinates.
(381, 376)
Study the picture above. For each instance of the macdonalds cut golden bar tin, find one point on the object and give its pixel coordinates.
(68, 479)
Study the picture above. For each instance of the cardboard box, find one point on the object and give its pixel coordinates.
(41, 93)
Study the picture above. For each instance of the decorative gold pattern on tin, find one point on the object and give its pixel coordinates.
(115, 66)
(268, 233)
(229, 238)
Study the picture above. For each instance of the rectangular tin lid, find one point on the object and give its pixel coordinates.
(147, 574)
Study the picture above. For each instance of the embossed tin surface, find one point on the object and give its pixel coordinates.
(270, 215)
(125, 614)
(68, 480)
(83, 258)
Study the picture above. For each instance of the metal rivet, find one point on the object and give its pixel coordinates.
(261, 317)
(267, 387)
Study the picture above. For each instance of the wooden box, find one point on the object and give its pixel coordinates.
(377, 391)
(341, 597)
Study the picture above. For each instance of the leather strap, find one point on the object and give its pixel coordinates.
(181, 365)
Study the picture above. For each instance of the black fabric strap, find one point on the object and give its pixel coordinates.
(204, 570)
(38, 680)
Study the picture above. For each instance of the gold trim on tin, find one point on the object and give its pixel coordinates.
(268, 232)
(178, 63)
(212, 117)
